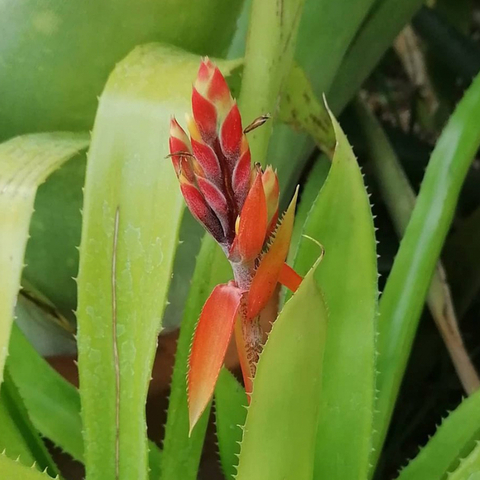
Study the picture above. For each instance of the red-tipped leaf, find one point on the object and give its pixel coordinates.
(210, 342)
(268, 272)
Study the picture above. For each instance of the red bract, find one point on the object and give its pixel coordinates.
(238, 205)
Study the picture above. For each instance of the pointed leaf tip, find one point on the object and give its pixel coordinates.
(210, 342)
(268, 272)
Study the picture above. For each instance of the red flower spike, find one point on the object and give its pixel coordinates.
(268, 271)
(252, 227)
(210, 342)
(201, 211)
(231, 134)
(238, 205)
(289, 278)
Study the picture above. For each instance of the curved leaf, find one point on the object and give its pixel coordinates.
(25, 162)
(341, 221)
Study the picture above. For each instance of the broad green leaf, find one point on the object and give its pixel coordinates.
(18, 438)
(281, 425)
(230, 413)
(407, 285)
(181, 453)
(131, 217)
(454, 439)
(13, 470)
(269, 52)
(341, 221)
(25, 162)
(66, 50)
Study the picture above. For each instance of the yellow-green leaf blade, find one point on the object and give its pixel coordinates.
(281, 425)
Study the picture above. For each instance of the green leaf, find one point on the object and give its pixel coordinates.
(281, 426)
(270, 47)
(408, 282)
(132, 214)
(76, 44)
(230, 413)
(25, 162)
(455, 438)
(341, 221)
(181, 453)
(13, 470)
(18, 437)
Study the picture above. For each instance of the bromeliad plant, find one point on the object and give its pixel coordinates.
(320, 391)
(238, 206)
